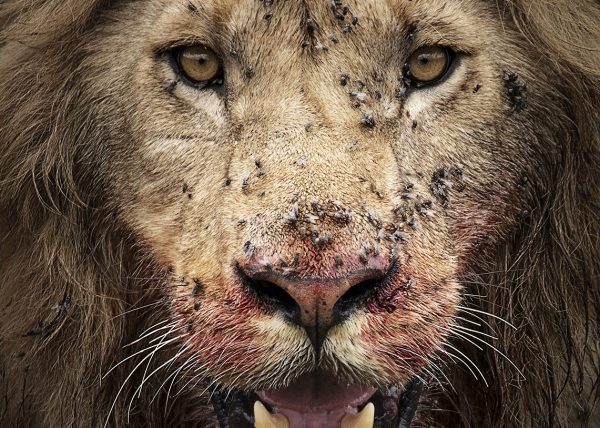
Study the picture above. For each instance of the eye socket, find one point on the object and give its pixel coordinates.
(198, 64)
(429, 64)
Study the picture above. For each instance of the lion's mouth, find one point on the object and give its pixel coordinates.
(318, 400)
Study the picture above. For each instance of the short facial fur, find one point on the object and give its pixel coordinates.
(131, 199)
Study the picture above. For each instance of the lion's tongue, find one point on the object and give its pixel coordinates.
(316, 400)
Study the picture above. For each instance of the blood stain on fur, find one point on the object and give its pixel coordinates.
(387, 300)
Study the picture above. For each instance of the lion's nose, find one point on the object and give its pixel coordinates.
(317, 304)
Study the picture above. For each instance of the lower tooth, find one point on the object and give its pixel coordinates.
(264, 419)
(364, 419)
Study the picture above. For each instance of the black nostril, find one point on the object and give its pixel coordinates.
(276, 297)
(272, 295)
(355, 297)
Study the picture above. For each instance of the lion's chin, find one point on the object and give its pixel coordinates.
(318, 399)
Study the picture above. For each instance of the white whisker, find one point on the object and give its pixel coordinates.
(467, 309)
(497, 351)
(112, 407)
(470, 361)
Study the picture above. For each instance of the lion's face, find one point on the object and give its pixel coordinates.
(311, 208)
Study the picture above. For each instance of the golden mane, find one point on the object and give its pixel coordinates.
(58, 251)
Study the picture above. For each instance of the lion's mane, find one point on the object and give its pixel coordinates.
(60, 254)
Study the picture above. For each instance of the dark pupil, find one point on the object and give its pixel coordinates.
(424, 58)
(202, 59)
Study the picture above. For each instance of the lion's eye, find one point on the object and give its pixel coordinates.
(198, 64)
(428, 64)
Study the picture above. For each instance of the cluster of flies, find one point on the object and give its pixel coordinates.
(347, 23)
(306, 216)
(516, 90)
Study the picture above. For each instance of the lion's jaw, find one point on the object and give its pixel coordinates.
(312, 166)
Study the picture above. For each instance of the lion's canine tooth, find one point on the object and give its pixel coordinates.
(364, 419)
(264, 419)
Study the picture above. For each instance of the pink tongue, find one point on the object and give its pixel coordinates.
(316, 400)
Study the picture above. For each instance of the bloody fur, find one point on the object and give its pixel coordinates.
(101, 240)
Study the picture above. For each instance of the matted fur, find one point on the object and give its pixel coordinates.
(67, 308)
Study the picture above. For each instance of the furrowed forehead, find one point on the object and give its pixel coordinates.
(232, 24)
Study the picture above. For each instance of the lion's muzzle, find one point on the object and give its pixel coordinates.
(315, 303)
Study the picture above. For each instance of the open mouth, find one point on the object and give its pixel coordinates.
(319, 400)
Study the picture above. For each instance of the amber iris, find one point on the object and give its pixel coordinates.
(199, 64)
(428, 64)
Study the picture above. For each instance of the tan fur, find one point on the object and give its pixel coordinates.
(125, 201)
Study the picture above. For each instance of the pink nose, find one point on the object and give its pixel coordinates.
(317, 304)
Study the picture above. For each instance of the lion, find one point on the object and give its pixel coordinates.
(299, 213)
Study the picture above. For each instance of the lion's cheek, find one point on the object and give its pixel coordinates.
(475, 223)
(414, 328)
